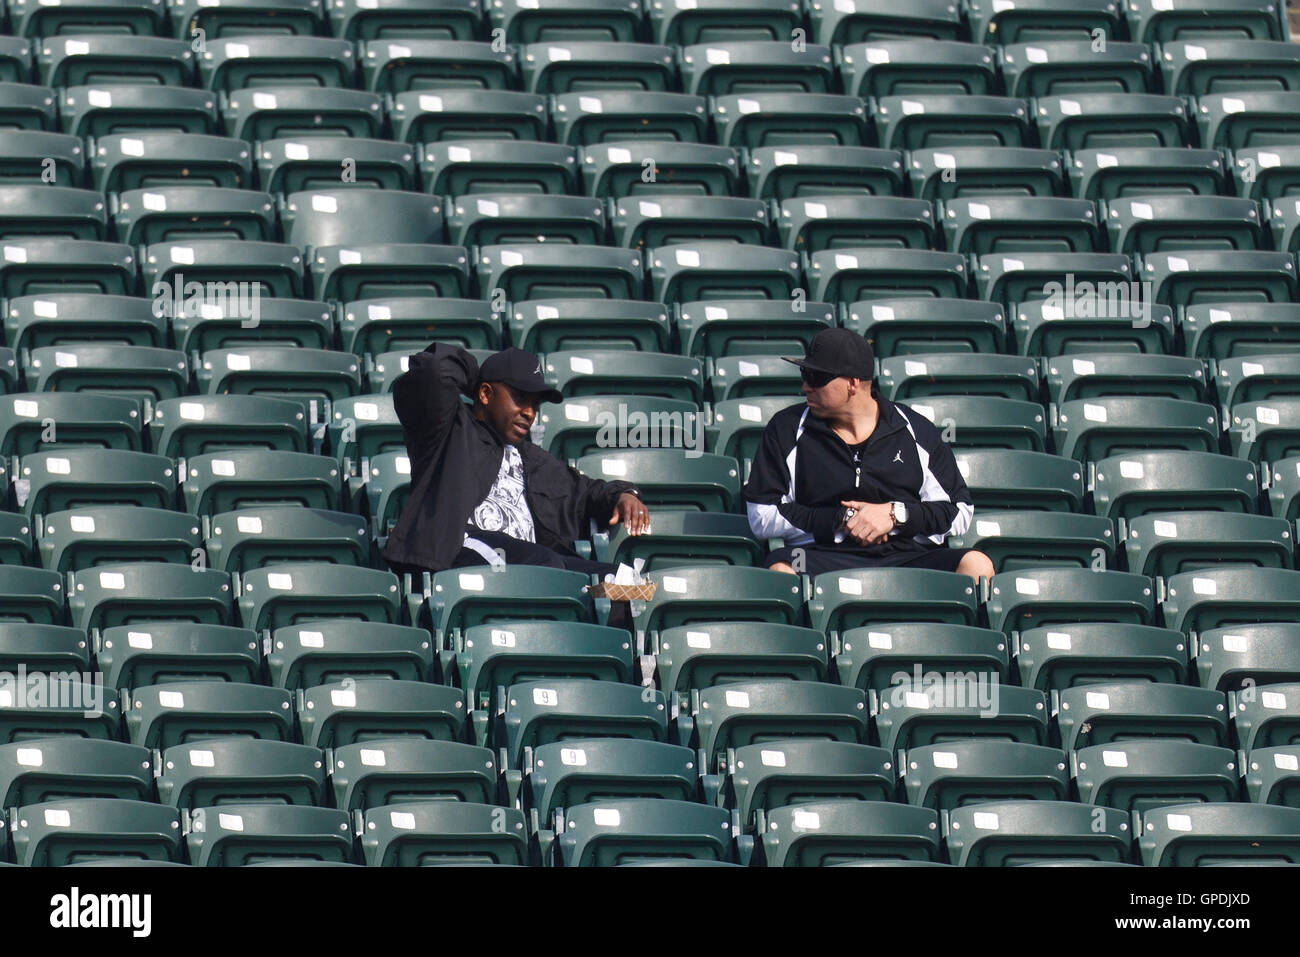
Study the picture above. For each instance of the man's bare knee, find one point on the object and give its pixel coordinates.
(783, 567)
(977, 565)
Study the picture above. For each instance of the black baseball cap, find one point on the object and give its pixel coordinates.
(520, 369)
(838, 352)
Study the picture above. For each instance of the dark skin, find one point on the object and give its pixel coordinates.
(510, 413)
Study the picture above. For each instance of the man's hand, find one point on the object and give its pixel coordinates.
(871, 524)
(631, 511)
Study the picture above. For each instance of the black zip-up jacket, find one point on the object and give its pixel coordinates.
(803, 470)
(455, 459)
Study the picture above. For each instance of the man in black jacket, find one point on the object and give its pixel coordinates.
(851, 480)
(481, 493)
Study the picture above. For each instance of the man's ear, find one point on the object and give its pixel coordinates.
(483, 395)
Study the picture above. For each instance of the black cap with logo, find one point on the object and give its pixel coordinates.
(839, 352)
(521, 370)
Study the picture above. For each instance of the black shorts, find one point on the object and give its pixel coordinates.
(818, 559)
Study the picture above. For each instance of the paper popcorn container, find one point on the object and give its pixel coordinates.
(643, 592)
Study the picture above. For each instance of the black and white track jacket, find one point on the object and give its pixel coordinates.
(803, 470)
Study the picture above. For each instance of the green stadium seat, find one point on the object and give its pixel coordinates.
(662, 168)
(494, 219)
(374, 326)
(462, 167)
(546, 270)
(268, 535)
(259, 268)
(903, 326)
(1284, 489)
(859, 20)
(281, 112)
(597, 65)
(1245, 655)
(561, 20)
(1096, 428)
(1266, 717)
(84, 537)
(653, 220)
(752, 376)
(614, 832)
(1113, 323)
(587, 424)
(686, 595)
(187, 712)
(374, 709)
(1136, 483)
(102, 109)
(910, 715)
(196, 425)
(65, 478)
(825, 833)
(1112, 174)
(556, 709)
(310, 163)
(595, 116)
(35, 321)
(63, 767)
(55, 705)
(1282, 217)
(1106, 121)
(231, 835)
(959, 773)
(1266, 431)
(138, 160)
(981, 421)
(384, 270)
(140, 372)
(123, 594)
(329, 651)
(737, 426)
(1082, 654)
(723, 653)
(857, 597)
(77, 830)
(1269, 776)
(1164, 544)
(1008, 478)
(1228, 595)
(39, 211)
(83, 59)
(387, 490)
(917, 67)
(381, 771)
(462, 114)
(1013, 224)
(755, 66)
(1036, 597)
(1230, 65)
(815, 223)
(382, 370)
(683, 538)
(179, 213)
(1150, 224)
(16, 540)
(1043, 21)
(878, 656)
(301, 375)
(241, 770)
(1114, 712)
(286, 594)
(1247, 118)
(24, 154)
(1265, 172)
(335, 216)
(247, 17)
(15, 60)
(27, 107)
(364, 426)
(438, 19)
(986, 171)
(941, 120)
(557, 325)
(851, 275)
(1005, 833)
(778, 118)
(418, 63)
(1063, 67)
(1027, 539)
(43, 648)
(250, 61)
(245, 478)
(45, 266)
(716, 21)
(903, 378)
(1101, 374)
(784, 172)
(88, 16)
(203, 327)
(456, 833)
(689, 272)
(1191, 835)
(460, 598)
(163, 652)
(670, 478)
(622, 372)
(1232, 329)
(40, 421)
(1156, 21)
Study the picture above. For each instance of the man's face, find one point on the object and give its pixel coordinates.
(825, 394)
(509, 411)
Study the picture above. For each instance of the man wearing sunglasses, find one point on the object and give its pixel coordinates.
(850, 479)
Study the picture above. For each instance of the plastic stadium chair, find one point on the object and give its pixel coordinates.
(1266, 717)
(305, 376)
(245, 17)
(908, 377)
(671, 478)
(690, 272)
(814, 223)
(1162, 223)
(1266, 431)
(23, 155)
(1164, 544)
(1267, 172)
(230, 835)
(1147, 775)
(986, 171)
(492, 219)
(1056, 657)
(185, 712)
(755, 66)
(286, 594)
(599, 116)
(786, 171)
(179, 213)
(241, 770)
(74, 830)
(137, 160)
(1003, 833)
(587, 424)
(903, 326)
(279, 112)
(859, 20)
(16, 540)
(1284, 225)
(1025, 539)
(81, 59)
(1189, 835)
(57, 705)
(257, 537)
(1135, 171)
(88, 16)
(629, 167)
(738, 424)
(822, 833)
(1284, 488)
(561, 20)
(308, 163)
(1101, 374)
(1036, 597)
(463, 597)
(101, 109)
(389, 270)
(857, 597)
(372, 709)
(1227, 595)
(262, 269)
(443, 832)
(851, 275)
(716, 21)
(27, 107)
(1042, 20)
(1092, 429)
(15, 60)
(911, 714)
(463, 114)
(43, 648)
(749, 376)
(880, 655)
(380, 771)
(654, 220)
(1231, 329)
(1068, 281)
(1106, 121)
(39, 211)
(39, 421)
(917, 67)
(1110, 712)
(334, 216)
(250, 61)
(1233, 658)
(978, 421)
(1114, 323)
(57, 768)
(364, 426)
(1247, 118)
(1154, 21)
(438, 19)
(684, 538)
(936, 121)
(558, 325)
(195, 425)
(387, 490)
(775, 119)
(1136, 483)
(41, 266)
(597, 65)
(1062, 67)
(141, 372)
(417, 63)
(774, 774)
(373, 326)
(615, 832)
(1007, 478)
(723, 653)
(1200, 67)
(64, 478)
(556, 709)
(85, 537)
(246, 478)
(546, 271)
(687, 595)
(959, 773)
(162, 652)
(1270, 777)
(123, 594)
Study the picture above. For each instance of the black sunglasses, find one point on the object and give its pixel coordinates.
(816, 378)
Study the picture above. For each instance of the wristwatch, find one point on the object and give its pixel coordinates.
(898, 512)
